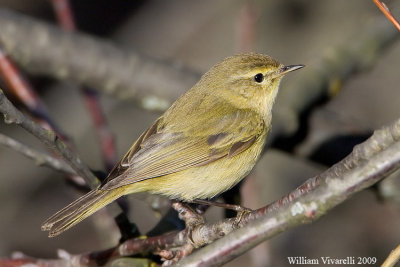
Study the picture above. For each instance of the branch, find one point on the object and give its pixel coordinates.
(96, 258)
(48, 137)
(369, 163)
(339, 64)
(393, 258)
(38, 58)
(44, 49)
(156, 84)
(385, 10)
(21, 88)
(19, 259)
(40, 158)
(66, 19)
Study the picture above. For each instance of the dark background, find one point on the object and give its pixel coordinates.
(198, 34)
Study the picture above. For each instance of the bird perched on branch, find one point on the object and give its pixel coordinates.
(204, 144)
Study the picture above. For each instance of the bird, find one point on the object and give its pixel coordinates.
(205, 143)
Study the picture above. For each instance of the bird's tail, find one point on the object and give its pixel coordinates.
(78, 210)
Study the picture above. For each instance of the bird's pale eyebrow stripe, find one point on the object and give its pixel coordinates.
(251, 73)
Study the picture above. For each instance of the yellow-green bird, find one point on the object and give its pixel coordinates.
(204, 144)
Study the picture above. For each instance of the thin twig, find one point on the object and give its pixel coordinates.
(106, 139)
(23, 91)
(104, 134)
(385, 10)
(107, 143)
(63, 10)
(34, 262)
(48, 137)
(40, 158)
(370, 162)
(96, 258)
(338, 64)
(352, 61)
(393, 258)
(44, 49)
(246, 27)
(107, 68)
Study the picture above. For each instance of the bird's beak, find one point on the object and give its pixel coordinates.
(285, 69)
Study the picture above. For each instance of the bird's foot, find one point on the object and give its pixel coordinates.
(241, 211)
(240, 214)
(192, 220)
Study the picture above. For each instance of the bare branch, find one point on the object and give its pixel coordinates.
(64, 13)
(44, 49)
(40, 158)
(393, 258)
(39, 55)
(23, 91)
(340, 63)
(66, 19)
(20, 259)
(369, 162)
(96, 258)
(385, 10)
(48, 137)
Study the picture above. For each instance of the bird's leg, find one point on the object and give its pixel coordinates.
(187, 214)
(239, 209)
(192, 220)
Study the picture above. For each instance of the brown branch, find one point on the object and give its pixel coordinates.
(96, 258)
(40, 158)
(48, 137)
(63, 10)
(20, 259)
(18, 86)
(385, 10)
(246, 27)
(106, 139)
(369, 163)
(339, 64)
(44, 49)
(109, 69)
(104, 134)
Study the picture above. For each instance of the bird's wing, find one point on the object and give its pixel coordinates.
(163, 150)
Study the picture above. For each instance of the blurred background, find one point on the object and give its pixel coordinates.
(196, 35)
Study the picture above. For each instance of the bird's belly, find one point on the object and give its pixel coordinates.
(206, 181)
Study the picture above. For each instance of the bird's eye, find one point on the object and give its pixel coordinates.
(259, 77)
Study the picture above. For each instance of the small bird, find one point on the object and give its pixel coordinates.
(204, 144)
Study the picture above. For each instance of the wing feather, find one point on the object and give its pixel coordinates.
(163, 149)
